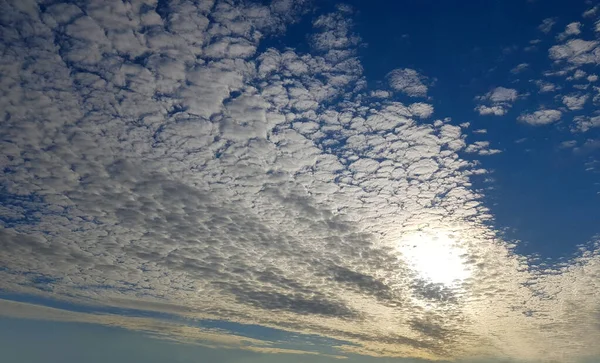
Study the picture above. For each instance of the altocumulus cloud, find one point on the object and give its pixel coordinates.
(157, 154)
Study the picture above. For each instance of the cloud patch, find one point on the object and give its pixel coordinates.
(407, 81)
(497, 101)
(540, 117)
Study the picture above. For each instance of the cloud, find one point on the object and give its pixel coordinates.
(576, 51)
(407, 81)
(545, 86)
(499, 101)
(546, 25)
(570, 30)
(585, 123)
(590, 13)
(519, 68)
(178, 331)
(574, 101)
(421, 110)
(481, 148)
(568, 144)
(540, 117)
(175, 159)
(491, 110)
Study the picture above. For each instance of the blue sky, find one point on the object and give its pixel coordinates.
(246, 181)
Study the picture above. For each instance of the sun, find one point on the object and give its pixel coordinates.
(434, 256)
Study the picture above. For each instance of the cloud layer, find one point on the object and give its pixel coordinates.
(165, 155)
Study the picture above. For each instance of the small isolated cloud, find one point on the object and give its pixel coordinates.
(579, 74)
(500, 94)
(585, 123)
(575, 102)
(567, 144)
(497, 102)
(491, 110)
(519, 68)
(408, 81)
(480, 131)
(570, 30)
(592, 78)
(546, 25)
(540, 117)
(545, 86)
(380, 94)
(591, 12)
(481, 148)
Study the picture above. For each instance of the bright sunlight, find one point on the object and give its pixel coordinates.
(434, 256)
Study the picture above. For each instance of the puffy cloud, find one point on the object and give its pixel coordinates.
(481, 148)
(491, 110)
(421, 110)
(585, 123)
(574, 101)
(171, 159)
(578, 74)
(540, 117)
(499, 101)
(501, 94)
(407, 81)
(545, 86)
(570, 30)
(576, 51)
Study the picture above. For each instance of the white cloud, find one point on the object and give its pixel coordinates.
(491, 110)
(585, 123)
(579, 74)
(540, 117)
(545, 86)
(421, 110)
(171, 160)
(407, 81)
(499, 101)
(576, 51)
(574, 101)
(380, 94)
(570, 30)
(592, 78)
(481, 148)
(501, 94)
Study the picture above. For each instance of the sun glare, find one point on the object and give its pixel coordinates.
(435, 256)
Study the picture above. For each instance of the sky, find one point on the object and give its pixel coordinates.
(309, 181)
